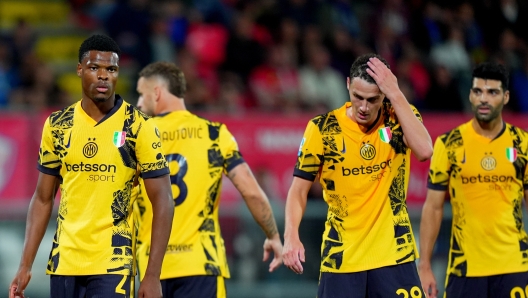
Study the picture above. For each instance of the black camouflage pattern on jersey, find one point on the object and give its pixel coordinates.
(60, 123)
(332, 253)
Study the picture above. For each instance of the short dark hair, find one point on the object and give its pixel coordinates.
(492, 71)
(98, 42)
(169, 72)
(359, 67)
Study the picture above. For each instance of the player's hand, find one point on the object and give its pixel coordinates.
(293, 254)
(385, 79)
(273, 245)
(19, 283)
(428, 280)
(150, 287)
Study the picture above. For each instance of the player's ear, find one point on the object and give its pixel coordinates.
(79, 69)
(348, 83)
(506, 96)
(157, 91)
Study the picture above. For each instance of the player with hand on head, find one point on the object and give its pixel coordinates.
(92, 150)
(199, 152)
(360, 153)
(483, 165)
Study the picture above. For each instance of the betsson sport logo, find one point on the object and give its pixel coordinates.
(102, 172)
(489, 163)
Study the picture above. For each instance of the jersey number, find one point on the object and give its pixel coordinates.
(415, 292)
(177, 179)
(518, 292)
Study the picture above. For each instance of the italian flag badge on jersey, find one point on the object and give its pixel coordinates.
(385, 134)
(511, 154)
(119, 138)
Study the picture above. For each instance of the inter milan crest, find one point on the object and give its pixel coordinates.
(119, 138)
(385, 134)
(90, 149)
(367, 151)
(488, 163)
(511, 154)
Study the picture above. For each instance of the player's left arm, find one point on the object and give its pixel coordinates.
(155, 174)
(415, 134)
(259, 206)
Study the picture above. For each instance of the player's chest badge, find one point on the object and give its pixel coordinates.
(385, 134)
(511, 154)
(119, 138)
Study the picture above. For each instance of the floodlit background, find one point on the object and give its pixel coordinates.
(264, 67)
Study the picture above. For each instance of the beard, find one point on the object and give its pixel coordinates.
(494, 112)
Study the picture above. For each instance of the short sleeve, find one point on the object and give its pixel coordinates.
(439, 169)
(416, 113)
(48, 161)
(310, 155)
(150, 158)
(229, 149)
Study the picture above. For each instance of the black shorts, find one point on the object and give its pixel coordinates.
(396, 281)
(513, 285)
(107, 285)
(203, 286)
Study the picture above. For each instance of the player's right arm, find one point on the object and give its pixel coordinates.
(432, 213)
(293, 251)
(38, 216)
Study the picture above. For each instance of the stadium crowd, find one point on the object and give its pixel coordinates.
(285, 56)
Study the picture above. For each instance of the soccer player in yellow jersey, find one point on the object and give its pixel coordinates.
(481, 164)
(199, 152)
(92, 150)
(360, 153)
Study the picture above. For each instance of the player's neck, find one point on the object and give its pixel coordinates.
(171, 105)
(489, 129)
(97, 110)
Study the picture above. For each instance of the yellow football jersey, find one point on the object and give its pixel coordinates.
(364, 178)
(97, 162)
(486, 181)
(199, 152)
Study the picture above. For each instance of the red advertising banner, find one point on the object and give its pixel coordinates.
(18, 157)
(268, 142)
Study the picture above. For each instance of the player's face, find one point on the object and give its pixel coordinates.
(366, 100)
(487, 99)
(147, 96)
(98, 72)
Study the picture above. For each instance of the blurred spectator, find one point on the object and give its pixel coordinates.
(213, 11)
(163, 49)
(474, 41)
(289, 38)
(340, 14)
(39, 90)
(322, 87)
(21, 42)
(452, 53)
(344, 50)
(513, 16)
(129, 26)
(178, 22)
(519, 87)
(303, 12)
(207, 42)
(275, 84)
(243, 51)
(413, 70)
(201, 86)
(443, 95)
(426, 28)
(508, 51)
(8, 76)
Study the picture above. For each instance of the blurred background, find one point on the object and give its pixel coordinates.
(263, 67)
